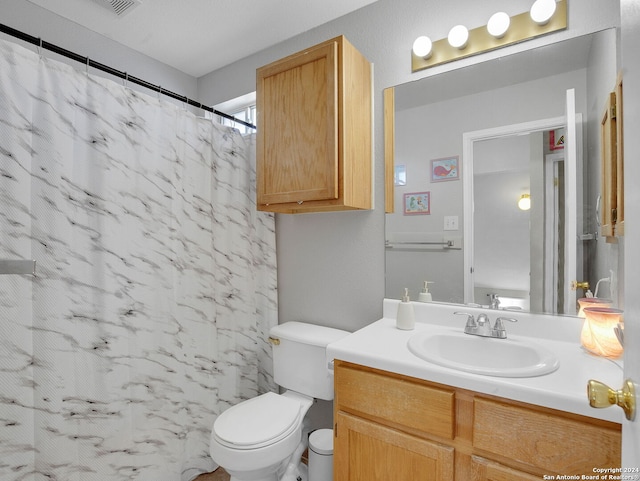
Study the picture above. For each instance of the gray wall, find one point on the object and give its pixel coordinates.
(331, 266)
(607, 255)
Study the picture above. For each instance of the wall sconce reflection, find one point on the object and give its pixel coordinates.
(545, 16)
(524, 202)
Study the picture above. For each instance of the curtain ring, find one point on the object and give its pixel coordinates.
(40, 47)
(88, 65)
(126, 80)
(159, 92)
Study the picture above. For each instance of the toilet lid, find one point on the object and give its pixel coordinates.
(257, 422)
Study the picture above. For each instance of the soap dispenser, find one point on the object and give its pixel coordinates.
(405, 319)
(425, 295)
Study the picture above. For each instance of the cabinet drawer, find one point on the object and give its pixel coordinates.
(400, 402)
(543, 440)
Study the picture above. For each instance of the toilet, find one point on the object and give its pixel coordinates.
(263, 438)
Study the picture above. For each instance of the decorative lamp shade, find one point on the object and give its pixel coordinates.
(592, 302)
(598, 335)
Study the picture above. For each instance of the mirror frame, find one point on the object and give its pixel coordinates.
(389, 148)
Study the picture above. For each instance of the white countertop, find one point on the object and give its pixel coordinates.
(382, 346)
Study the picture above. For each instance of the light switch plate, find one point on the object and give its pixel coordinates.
(450, 222)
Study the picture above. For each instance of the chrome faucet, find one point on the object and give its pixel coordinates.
(482, 326)
(494, 301)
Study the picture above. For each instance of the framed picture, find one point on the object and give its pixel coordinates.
(417, 203)
(446, 168)
(556, 139)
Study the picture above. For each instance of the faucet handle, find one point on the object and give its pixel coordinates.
(498, 327)
(471, 322)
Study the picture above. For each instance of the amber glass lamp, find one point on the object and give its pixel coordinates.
(592, 302)
(598, 334)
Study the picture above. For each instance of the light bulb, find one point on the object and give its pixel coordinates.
(422, 47)
(458, 36)
(542, 11)
(524, 203)
(498, 24)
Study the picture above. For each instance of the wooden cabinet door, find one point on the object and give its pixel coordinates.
(366, 451)
(297, 146)
(486, 470)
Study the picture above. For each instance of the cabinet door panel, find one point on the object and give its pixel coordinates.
(486, 470)
(365, 451)
(298, 118)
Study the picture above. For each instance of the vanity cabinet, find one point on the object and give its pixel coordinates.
(389, 426)
(314, 147)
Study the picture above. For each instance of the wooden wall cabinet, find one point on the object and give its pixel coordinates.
(389, 426)
(612, 166)
(314, 120)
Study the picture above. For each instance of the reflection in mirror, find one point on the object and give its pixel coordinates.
(431, 117)
(538, 160)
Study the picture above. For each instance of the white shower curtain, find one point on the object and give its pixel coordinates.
(155, 284)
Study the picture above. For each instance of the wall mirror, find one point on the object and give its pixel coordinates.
(470, 144)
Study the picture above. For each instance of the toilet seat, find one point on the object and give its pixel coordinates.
(257, 422)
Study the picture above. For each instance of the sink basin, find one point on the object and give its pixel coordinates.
(482, 355)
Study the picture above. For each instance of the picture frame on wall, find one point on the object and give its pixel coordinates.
(417, 203)
(445, 168)
(556, 139)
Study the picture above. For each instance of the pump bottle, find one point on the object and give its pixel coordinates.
(405, 319)
(425, 295)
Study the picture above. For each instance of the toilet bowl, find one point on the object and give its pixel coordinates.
(252, 439)
(262, 439)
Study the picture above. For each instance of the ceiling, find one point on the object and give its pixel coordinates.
(200, 36)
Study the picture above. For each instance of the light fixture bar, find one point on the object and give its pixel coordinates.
(480, 41)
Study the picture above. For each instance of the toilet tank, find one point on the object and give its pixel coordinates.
(300, 361)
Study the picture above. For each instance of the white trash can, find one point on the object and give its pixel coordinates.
(321, 455)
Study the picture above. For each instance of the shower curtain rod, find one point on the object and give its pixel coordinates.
(117, 73)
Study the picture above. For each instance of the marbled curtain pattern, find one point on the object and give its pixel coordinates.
(155, 285)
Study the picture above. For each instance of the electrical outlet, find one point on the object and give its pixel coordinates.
(450, 222)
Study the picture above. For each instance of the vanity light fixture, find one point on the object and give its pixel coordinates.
(542, 11)
(422, 47)
(524, 202)
(498, 24)
(544, 17)
(458, 37)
